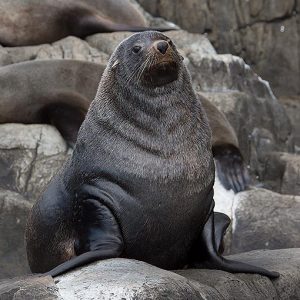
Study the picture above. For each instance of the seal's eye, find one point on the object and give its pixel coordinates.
(136, 49)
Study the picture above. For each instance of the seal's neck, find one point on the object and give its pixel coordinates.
(159, 120)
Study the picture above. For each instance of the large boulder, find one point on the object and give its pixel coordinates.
(29, 156)
(68, 48)
(263, 32)
(130, 279)
(262, 219)
(292, 107)
(281, 173)
(13, 215)
(29, 288)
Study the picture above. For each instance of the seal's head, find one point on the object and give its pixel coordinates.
(148, 58)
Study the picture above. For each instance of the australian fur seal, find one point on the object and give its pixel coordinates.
(28, 22)
(59, 92)
(139, 182)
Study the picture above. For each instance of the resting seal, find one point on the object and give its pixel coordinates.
(59, 92)
(29, 22)
(139, 182)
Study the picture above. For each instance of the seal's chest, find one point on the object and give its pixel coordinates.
(185, 165)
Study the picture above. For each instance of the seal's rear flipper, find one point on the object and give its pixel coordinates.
(231, 168)
(222, 222)
(207, 257)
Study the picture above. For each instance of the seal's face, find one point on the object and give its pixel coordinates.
(150, 58)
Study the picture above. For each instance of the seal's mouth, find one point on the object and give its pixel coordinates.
(161, 73)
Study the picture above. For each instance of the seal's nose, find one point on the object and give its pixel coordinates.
(162, 46)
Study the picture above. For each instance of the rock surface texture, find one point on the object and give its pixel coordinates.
(29, 156)
(262, 32)
(264, 220)
(130, 279)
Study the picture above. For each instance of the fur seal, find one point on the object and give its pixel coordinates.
(140, 181)
(59, 92)
(28, 22)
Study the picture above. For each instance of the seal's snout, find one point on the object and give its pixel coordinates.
(161, 46)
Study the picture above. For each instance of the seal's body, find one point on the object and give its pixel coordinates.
(139, 183)
(29, 22)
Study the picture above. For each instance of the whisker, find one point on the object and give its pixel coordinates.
(138, 72)
(143, 68)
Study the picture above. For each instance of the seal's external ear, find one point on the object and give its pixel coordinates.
(115, 64)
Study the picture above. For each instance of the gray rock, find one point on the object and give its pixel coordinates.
(264, 219)
(29, 156)
(29, 288)
(124, 279)
(284, 261)
(13, 215)
(192, 15)
(67, 48)
(281, 173)
(262, 32)
(223, 285)
(130, 279)
(292, 107)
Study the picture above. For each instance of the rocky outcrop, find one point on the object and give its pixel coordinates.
(67, 48)
(281, 173)
(29, 156)
(29, 288)
(131, 279)
(263, 32)
(262, 219)
(292, 107)
(14, 209)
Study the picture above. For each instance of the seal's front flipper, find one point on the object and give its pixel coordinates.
(222, 222)
(206, 255)
(231, 168)
(98, 237)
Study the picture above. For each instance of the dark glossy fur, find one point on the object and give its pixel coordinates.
(139, 183)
